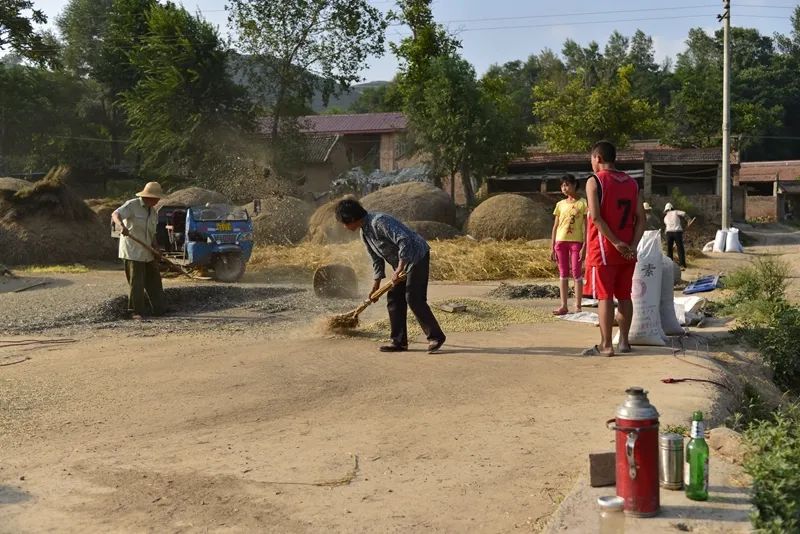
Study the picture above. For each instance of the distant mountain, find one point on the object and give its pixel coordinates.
(239, 72)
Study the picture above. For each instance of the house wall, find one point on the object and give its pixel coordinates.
(388, 152)
(761, 207)
(320, 175)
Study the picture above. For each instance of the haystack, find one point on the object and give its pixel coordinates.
(192, 196)
(48, 223)
(434, 230)
(510, 216)
(103, 207)
(282, 221)
(413, 201)
(13, 184)
(323, 227)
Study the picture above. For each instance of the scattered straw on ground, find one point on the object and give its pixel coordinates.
(481, 316)
(75, 268)
(466, 259)
(457, 260)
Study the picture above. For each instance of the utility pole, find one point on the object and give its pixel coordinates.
(725, 18)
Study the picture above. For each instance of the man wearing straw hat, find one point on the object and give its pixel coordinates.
(138, 218)
(651, 221)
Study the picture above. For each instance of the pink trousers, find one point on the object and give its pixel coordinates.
(568, 254)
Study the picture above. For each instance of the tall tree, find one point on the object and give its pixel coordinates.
(17, 20)
(84, 26)
(576, 115)
(184, 111)
(288, 40)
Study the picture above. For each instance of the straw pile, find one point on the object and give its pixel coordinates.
(465, 259)
(335, 281)
(510, 216)
(283, 220)
(303, 259)
(13, 184)
(323, 227)
(431, 230)
(103, 207)
(192, 196)
(412, 201)
(47, 223)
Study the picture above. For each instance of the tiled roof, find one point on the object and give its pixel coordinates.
(790, 188)
(661, 155)
(769, 171)
(318, 147)
(364, 123)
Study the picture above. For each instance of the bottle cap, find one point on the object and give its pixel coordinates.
(611, 502)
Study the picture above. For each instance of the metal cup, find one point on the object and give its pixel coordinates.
(670, 461)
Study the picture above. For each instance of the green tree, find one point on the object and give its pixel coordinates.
(288, 40)
(184, 112)
(574, 116)
(17, 19)
(84, 26)
(379, 99)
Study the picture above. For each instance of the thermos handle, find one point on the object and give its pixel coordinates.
(630, 445)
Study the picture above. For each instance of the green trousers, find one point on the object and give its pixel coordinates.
(147, 295)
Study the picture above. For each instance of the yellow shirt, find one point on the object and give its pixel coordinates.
(571, 219)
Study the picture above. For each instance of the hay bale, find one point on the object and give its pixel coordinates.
(335, 281)
(323, 227)
(413, 201)
(13, 184)
(510, 216)
(103, 207)
(282, 221)
(47, 223)
(432, 230)
(192, 196)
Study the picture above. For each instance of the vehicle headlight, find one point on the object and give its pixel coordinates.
(209, 240)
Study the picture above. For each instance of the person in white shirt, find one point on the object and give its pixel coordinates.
(674, 232)
(138, 218)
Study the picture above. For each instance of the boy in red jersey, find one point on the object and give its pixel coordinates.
(614, 228)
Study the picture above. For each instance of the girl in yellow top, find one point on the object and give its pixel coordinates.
(569, 241)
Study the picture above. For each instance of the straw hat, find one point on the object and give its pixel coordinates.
(151, 190)
(647, 206)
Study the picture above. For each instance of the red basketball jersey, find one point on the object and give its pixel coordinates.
(619, 195)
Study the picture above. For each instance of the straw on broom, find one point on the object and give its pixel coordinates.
(349, 320)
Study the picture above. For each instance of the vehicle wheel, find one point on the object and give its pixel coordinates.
(228, 267)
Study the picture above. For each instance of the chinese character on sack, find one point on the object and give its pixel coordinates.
(648, 270)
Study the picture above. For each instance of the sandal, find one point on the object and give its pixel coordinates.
(595, 351)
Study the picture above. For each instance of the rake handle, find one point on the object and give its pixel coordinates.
(158, 254)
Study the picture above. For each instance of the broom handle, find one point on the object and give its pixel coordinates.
(157, 254)
(378, 294)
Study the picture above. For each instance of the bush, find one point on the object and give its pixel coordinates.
(778, 343)
(773, 460)
(759, 291)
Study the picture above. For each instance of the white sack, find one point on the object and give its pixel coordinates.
(719, 241)
(646, 294)
(732, 243)
(708, 247)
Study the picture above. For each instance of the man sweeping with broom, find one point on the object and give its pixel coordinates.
(138, 218)
(390, 241)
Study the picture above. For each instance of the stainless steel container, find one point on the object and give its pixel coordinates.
(670, 461)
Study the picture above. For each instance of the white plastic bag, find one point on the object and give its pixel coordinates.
(719, 241)
(708, 247)
(646, 294)
(669, 321)
(732, 243)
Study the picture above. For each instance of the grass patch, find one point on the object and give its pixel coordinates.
(481, 316)
(75, 268)
(758, 291)
(457, 260)
(773, 460)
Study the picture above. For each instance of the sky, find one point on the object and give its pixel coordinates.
(496, 31)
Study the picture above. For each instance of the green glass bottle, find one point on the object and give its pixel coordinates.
(695, 474)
